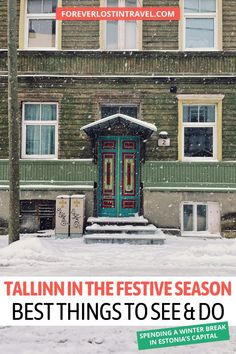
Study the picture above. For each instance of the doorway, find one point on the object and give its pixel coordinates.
(118, 176)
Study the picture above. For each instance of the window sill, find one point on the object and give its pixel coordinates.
(40, 49)
(33, 158)
(201, 50)
(199, 160)
(201, 235)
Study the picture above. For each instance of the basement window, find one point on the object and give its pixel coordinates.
(200, 218)
(37, 215)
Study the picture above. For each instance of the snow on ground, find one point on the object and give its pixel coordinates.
(179, 256)
(49, 256)
(93, 340)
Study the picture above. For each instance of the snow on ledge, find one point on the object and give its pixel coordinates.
(123, 116)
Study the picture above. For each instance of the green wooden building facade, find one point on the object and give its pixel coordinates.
(141, 122)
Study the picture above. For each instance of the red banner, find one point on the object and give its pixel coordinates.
(118, 13)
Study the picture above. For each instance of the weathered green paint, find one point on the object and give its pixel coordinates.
(143, 63)
(157, 35)
(162, 175)
(180, 175)
(3, 24)
(80, 34)
(160, 35)
(63, 172)
(79, 101)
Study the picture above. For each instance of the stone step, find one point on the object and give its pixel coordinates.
(171, 231)
(134, 220)
(155, 239)
(134, 229)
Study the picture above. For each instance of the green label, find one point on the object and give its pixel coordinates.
(171, 337)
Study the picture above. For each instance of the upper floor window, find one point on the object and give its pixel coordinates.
(200, 127)
(41, 24)
(128, 110)
(199, 131)
(121, 35)
(39, 130)
(201, 24)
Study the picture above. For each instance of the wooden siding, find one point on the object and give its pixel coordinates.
(127, 64)
(3, 24)
(160, 35)
(3, 121)
(186, 175)
(80, 34)
(229, 24)
(79, 101)
(157, 175)
(52, 172)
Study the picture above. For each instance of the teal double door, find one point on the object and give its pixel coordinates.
(118, 176)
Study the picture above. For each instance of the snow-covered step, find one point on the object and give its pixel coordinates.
(96, 228)
(171, 231)
(155, 239)
(137, 220)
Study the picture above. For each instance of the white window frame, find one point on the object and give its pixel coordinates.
(40, 16)
(200, 125)
(216, 16)
(121, 31)
(209, 232)
(25, 123)
(194, 232)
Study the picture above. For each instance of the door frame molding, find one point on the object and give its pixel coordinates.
(119, 157)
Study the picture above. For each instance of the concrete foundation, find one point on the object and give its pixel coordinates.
(163, 208)
(29, 221)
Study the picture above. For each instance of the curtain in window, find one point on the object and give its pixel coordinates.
(48, 140)
(32, 112)
(49, 112)
(40, 134)
(32, 140)
(40, 140)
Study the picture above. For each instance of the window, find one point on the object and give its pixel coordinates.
(120, 35)
(194, 217)
(201, 24)
(200, 127)
(41, 24)
(199, 131)
(39, 130)
(128, 110)
(200, 218)
(37, 215)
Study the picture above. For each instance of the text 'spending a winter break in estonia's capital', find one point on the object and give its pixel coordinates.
(116, 14)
